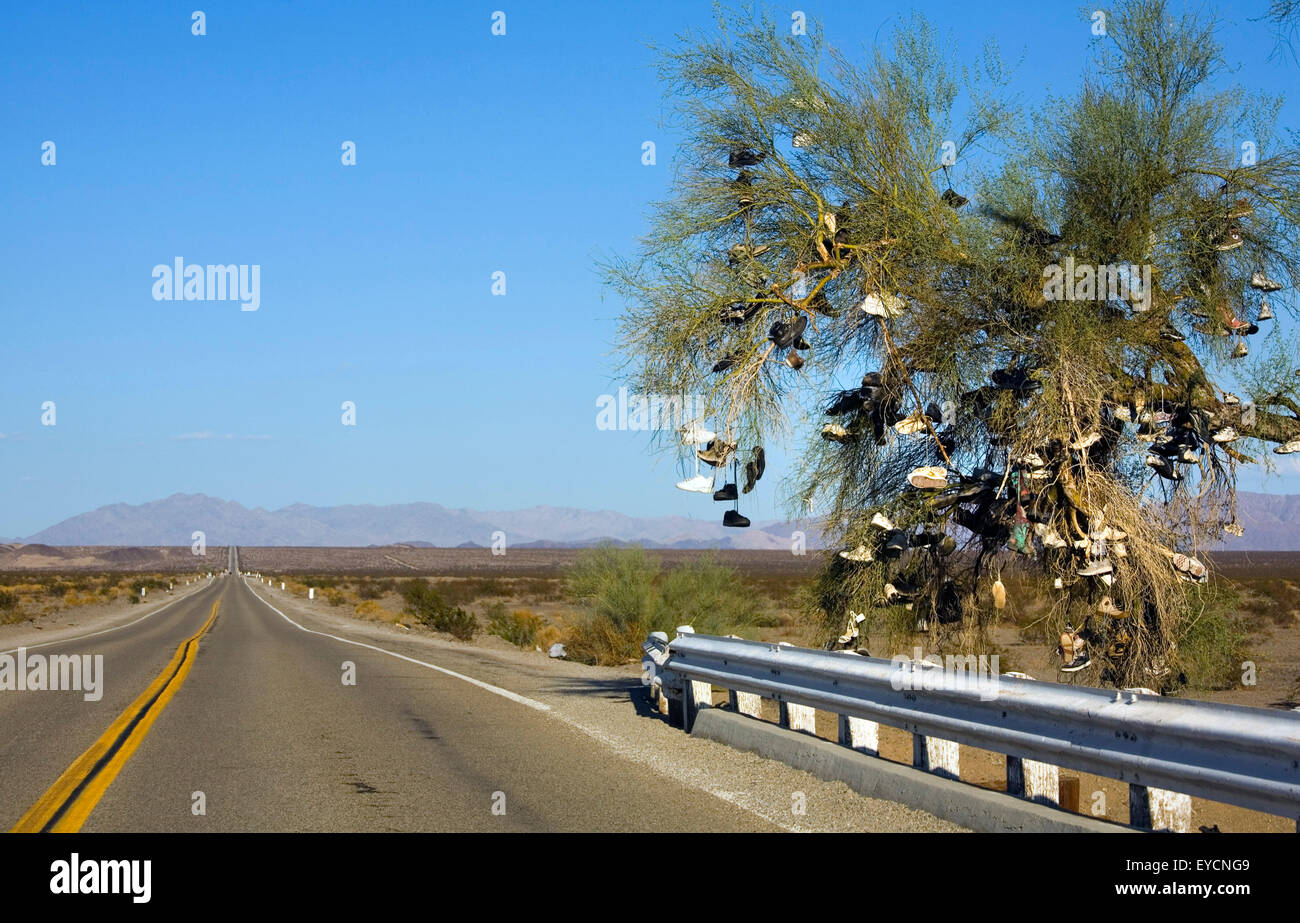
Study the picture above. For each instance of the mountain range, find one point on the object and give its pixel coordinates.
(1272, 523)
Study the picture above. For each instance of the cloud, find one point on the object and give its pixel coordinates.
(209, 435)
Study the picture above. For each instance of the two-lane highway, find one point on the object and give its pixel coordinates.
(255, 724)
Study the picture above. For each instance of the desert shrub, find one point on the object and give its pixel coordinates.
(624, 595)
(8, 601)
(370, 590)
(371, 609)
(520, 627)
(1212, 645)
(427, 606)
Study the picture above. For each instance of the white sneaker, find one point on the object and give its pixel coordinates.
(912, 424)
(700, 484)
(930, 477)
(1262, 282)
(1227, 434)
(1086, 442)
(881, 521)
(882, 306)
(695, 434)
(1288, 448)
(861, 554)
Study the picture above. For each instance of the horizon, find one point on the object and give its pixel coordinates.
(376, 278)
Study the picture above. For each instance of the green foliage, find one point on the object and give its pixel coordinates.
(1141, 165)
(1212, 645)
(8, 601)
(428, 607)
(624, 595)
(520, 627)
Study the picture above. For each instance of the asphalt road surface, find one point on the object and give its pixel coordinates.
(247, 717)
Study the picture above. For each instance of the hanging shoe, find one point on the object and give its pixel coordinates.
(882, 305)
(751, 477)
(1225, 434)
(912, 424)
(794, 360)
(1098, 568)
(1189, 568)
(740, 312)
(725, 363)
(836, 433)
(1107, 607)
(716, 452)
(694, 434)
(1288, 448)
(1169, 332)
(930, 477)
(948, 609)
(760, 462)
(952, 199)
(895, 544)
(700, 484)
(1086, 442)
(1079, 662)
(1164, 468)
(881, 521)
(743, 157)
(1265, 310)
(734, 520)
(1240, 209)
(860, 555)
(899, 591)
(784, 333)
(1263, 283)
(1230, 240)
(726, 492)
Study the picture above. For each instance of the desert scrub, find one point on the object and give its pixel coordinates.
(1212, 646)
(520, 627)
(427, 606)
(623, 594)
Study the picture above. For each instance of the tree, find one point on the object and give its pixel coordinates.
(1057, 353)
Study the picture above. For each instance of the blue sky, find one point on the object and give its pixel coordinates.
(475, 153)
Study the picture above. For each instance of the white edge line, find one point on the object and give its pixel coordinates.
(104, 631)
(505, 693)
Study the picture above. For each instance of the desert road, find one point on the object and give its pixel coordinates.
(220, 714)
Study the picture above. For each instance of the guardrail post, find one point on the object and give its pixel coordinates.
(1159, 809)
(860, 734)
(941, 757)
(696, 695)
(745, 703)
(1030, 779)
(798, 717)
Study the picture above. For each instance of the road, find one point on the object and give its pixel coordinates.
(220, 714)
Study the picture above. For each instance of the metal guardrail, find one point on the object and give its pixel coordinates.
(1248, 757)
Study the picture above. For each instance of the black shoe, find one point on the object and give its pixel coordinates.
(802, 344)
(743, 157)
(845, 402)
(1164, 467)
(784, 333)
(751, 475)
(872, 380)
(895, 544)
(953, 199)
(740, 312)
(1015, 380)
(926, 539)
(716, 452)
(724, 363)
(760, 462)
(728, 492)
(734, 519)
(948, 606)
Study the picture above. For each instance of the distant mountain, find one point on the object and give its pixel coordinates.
(174, 520)
(1272, 523)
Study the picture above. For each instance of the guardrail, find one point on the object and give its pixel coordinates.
(1166, 749)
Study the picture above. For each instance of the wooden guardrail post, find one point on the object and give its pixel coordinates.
(798, 717)
(941, 757)
(1158, 809)
(1030, 779)
(859, 734)
(745, 703)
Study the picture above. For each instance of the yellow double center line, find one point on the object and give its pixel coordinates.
(69, 801)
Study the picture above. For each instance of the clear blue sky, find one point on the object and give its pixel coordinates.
(475, 153)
